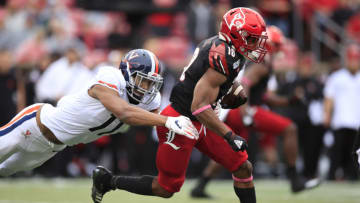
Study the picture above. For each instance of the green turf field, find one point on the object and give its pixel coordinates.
(78, 190)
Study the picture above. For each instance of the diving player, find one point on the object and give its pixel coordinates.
(116, 98)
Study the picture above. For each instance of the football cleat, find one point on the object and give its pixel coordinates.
(200, 193)
(300, 184)
(101, 180)
(312, 183)
(297, 184)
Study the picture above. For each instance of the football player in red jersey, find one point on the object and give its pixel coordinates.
(270, 124)
(208, 77)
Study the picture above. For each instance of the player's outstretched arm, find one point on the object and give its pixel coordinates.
(205, 94)
(134, 115)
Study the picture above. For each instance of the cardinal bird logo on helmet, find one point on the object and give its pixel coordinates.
(237, 20)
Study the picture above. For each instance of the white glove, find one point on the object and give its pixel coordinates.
(182, 125)
(217, 109)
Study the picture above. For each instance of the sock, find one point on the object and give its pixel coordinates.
(291, 172)
(140, 185)
(246, 195)
(203, 182)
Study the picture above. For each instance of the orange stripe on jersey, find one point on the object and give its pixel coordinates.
(108, 84)
(156, 65)
(28, 111)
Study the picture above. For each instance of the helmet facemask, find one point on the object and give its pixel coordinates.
(143, 87)
(253, 46)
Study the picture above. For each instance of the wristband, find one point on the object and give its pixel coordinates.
(196, 112)
(246, 81)
(228, 135)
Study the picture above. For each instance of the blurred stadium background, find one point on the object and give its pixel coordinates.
(36, 33)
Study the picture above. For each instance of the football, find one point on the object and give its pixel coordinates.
(235, 97)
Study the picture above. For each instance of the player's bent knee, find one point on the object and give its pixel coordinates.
(164, 193)
(160, 191)
(167, 195)
(244, 172)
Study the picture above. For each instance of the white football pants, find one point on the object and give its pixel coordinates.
(22, 145)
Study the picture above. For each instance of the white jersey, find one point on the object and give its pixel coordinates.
(80, 118)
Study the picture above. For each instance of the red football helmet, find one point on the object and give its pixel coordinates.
(353, 52)
(276, 38)
(246, 30)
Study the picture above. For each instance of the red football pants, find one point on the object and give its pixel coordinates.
(174, 152)
(268, 123)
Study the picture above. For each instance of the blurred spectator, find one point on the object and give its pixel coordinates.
(342, 113)
(94, 58)
(201, 21)
(353, 28)
(276, 12)
(9, 39)
(325, 7)
(34, 74)
(65, 76)
(305, 113)
(121, 32)
(173, 51)
(344, 11)
(60, 39)
(16, 15)
(32, 50)
(160, 22)
(12, 90)
(220, 9)
(114, 57)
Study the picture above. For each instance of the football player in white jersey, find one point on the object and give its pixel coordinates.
(116, 98)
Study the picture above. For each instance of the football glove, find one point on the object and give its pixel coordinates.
(217, 109)
(183, 126)
(236, 142)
